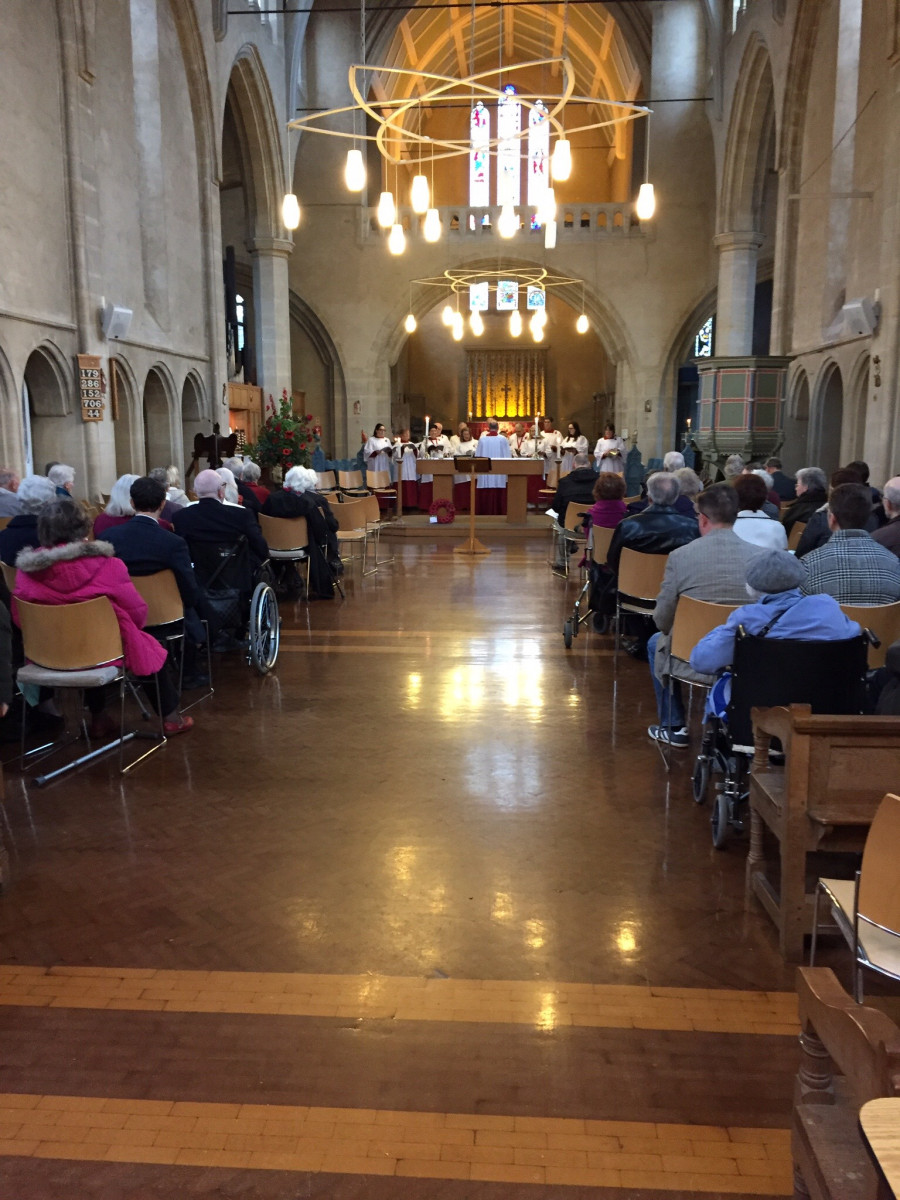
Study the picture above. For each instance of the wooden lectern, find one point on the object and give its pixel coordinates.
(472, 467)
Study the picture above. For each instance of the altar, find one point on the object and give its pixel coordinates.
(517, 471)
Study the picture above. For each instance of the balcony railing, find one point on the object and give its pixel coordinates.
(574, 223)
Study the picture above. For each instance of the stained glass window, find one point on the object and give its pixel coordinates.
(703, 342)
(538, 151)
(239, 310)
(479, 157)
(507, 295)
(479, 294)
(509, 123)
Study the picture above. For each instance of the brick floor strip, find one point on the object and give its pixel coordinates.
(544, 1006)
(507, 1149)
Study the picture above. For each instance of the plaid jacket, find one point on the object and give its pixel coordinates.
(854, 569)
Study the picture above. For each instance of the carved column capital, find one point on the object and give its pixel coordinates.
(276, 247)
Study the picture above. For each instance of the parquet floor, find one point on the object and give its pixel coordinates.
(419, 915)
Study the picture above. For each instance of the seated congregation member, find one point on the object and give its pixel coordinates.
(673, 461)
(232, 495)
(490, 495)
(781, 483)
(299, 498)
(659, 529)
(161, 475)
(608, 508)
(811, 487)
(9, 485)
(734, 466)
(575, 488)
(62, 477)
(851, 566)
(778, 609)
(211, 520)
(888, 535)
(145, 547)
(118, 508)
(67, 569)
(251, 481)
(691, 486)
(712, 568)
(175, 493)
(772, 505)
(751, 523)
(34, 492)
(817, 533)
(246, 494)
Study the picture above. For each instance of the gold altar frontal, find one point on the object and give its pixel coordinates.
(517, 471)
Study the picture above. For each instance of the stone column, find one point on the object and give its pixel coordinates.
(737, 290)
(272, 326)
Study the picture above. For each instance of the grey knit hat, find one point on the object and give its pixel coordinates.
(775, 571)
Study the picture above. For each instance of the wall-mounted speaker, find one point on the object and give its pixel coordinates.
(115, 321)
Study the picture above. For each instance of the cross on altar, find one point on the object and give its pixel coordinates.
(506, 389)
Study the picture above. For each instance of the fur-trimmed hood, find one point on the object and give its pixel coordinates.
(40, 558)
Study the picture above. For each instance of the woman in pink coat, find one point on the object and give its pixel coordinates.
(65, 569)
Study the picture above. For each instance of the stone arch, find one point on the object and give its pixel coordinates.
(128, 424)
(253, 108)
(827, 417)
(680, 351)
(795, 447)
(51, 429)
(158, 403)
(749, 132)
(334, 416)
(858, 394)
(194, 415)
(11, 432)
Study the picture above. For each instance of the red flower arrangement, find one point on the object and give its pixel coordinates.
(284, 439)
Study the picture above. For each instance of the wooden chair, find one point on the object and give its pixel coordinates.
(601, 539)
(796, 534)
(4, 521)
(569, 537)
(77, 646)
(883, 620)
(551, 483)
(327, 483)
(165, 614)
(824, 798)
(9, 576)
(351, 483)
(375, 523)
(633, 499)
(287, 539)
(849, 1056)
(379, 482)
(353, 527)
(866, 910)
(639, 581)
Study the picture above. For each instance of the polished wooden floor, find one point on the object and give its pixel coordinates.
(419, 915)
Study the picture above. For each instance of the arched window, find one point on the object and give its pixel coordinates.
(509, 123)
(538, 151)
(479, 157)
(703, 342)
(239, 321)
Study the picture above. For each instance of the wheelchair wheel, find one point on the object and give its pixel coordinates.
(719, 820)
(264, 633)
(568, 633)
(601, 622)
(700, 780)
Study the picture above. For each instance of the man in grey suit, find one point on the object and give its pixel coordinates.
(712, 568)
(10, 505)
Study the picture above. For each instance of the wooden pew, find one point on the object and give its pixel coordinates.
(823, 799)
(849, 1054)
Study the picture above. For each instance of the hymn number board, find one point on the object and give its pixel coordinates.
(92, 386)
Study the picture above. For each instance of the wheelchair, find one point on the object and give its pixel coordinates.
(239, 599)
(829, 676)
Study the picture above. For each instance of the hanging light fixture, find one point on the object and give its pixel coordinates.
(431, 228)
(457, 327)
(561, 160)
(476, 323)
(410, 323)
(646, 201)
(515, 323)
(419, 194)
(582, 325)
(355, 171)
(396, 239)
(508, 221)
(546, 210)
(540, 317)
(447, 315)
(550, 235)
(387, 210)
(290, 211)
(537, 329)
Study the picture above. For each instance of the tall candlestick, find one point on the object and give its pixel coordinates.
(426, 427)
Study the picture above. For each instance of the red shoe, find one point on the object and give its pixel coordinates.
(182, 725)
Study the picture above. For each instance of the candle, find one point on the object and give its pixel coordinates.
(689, 423)
(426, 426)
(535, 426)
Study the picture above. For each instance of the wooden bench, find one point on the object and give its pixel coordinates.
(849, 1054)
(823, 799)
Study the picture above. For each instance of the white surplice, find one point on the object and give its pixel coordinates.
(604, 446)
(382, 449)
(432, 447)
(464, 450)
(570, 447)
(405, 454)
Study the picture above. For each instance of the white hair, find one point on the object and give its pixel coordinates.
(34, 492)
(673, 461)
(119, 504)
(689, 481)
(173, 477)
(235, 466)
(251, 472)
(232, 496)
(300, 480)
(663, 488)
(60, 474)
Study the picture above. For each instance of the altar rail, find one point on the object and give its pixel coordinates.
(574, 223)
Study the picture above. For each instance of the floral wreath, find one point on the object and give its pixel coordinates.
(444, 510)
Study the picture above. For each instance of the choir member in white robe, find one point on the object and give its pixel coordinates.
(610, 451)
(573, 443)
(378, 451)
(438, 428)
(516, 438)
(465, 448)
(457, 437)
(491, 494)
(405, 454)
(433, 447)
(550, 445)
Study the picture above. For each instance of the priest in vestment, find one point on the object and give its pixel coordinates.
(491, 495)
